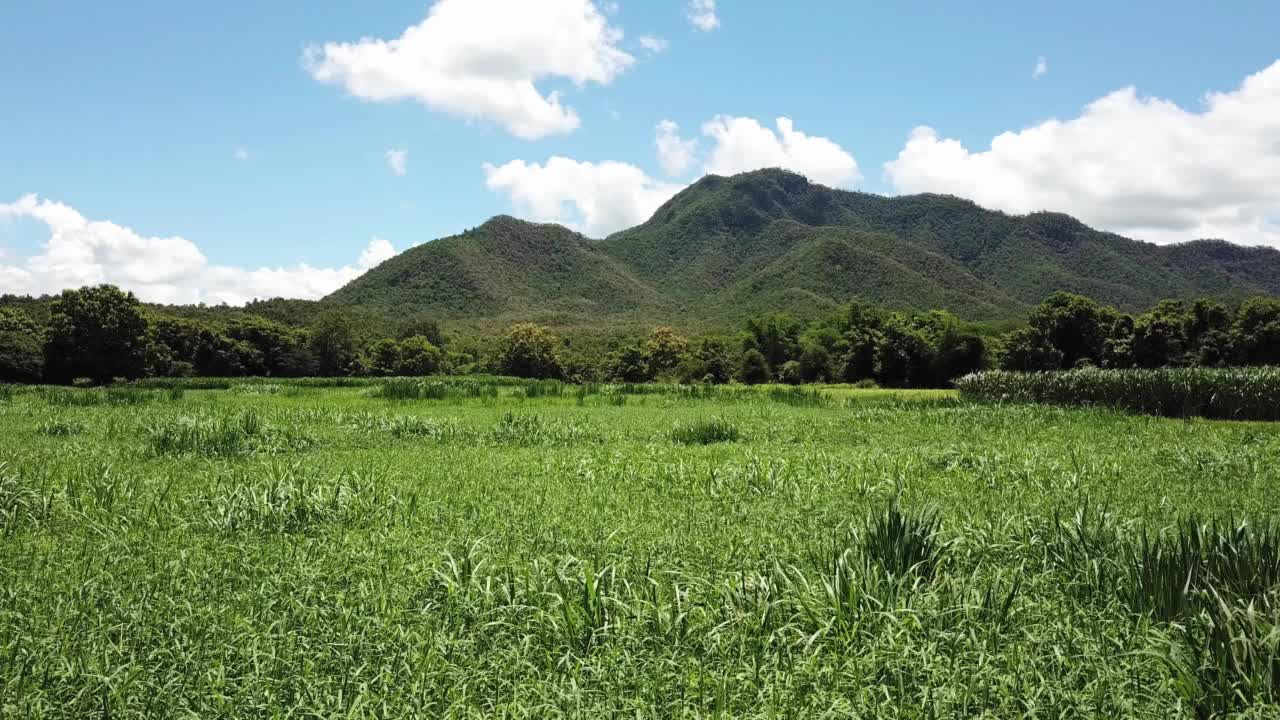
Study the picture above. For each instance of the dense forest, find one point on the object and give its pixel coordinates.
(102, 334)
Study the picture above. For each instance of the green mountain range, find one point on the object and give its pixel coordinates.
(727, 248)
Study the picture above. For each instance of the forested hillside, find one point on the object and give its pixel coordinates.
(727, 248)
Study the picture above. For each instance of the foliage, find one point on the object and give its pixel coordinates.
(1230, 394)
(98, 333)
(21, 348)
(529, 351)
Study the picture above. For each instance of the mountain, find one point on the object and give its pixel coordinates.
(729, 247)
(506, 271)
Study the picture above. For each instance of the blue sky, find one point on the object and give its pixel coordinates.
(137, 123)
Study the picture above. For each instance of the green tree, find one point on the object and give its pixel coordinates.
(1256, 331)
(710, 361)
(753, 368)
(665, 349)
(422, 326)
(776, 336)
(97, 333)
(21, 348)
(529, 351)
(815, 363)
(1158, 335)
(418, 356)
(1075, 326)
(382, 358)
(903, 357)
(631, 363)
(333, 342)
(1028, 349)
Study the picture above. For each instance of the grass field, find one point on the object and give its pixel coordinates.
(509, 550)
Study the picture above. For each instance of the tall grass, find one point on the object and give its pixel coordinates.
(705, 432)
(222, 435)
(1229, 394)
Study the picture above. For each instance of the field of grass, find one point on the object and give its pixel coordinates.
(470, 548)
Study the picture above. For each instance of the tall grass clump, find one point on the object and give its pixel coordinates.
(1220, 393)
(1171, 572)
(223, 435)
(60, 427)
(1227, 659)
(904, 543)
(705, 432)
(285, 499)
(798, 396)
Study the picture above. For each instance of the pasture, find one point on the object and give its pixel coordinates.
(485, 548)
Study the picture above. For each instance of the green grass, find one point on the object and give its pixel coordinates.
(301, 550)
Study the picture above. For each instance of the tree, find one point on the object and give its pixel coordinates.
(21, 348)
(954, 352)
(711, 361)
(1256, 331)
(382, 358)
(422, 326)
(419, 357)
(97, 333)
(776, 336)
(753, 368)
(334, 345)
(220, 356)
(1028, 349)
(529, 351)
(631, 364)
(815, 363)
(1075, 326)
(665, 349)
(903, 357)
(1158, 339)
(790, 373)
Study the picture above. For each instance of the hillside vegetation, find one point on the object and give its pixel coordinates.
(729, 248)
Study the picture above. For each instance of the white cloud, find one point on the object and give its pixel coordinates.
(377, 252)
(481, 60)
(398, 161)
(675, 155)
(601, 198)
(743, 144)
(240, 153)
(653, 43)
(594, 198)
(1142, 167)
(81, 252)
(1041, 69)
(702, 13)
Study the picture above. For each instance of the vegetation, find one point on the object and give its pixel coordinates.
(468, 547)
(727, 249)
(1229, 394)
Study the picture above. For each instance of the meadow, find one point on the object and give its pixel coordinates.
(493, 548)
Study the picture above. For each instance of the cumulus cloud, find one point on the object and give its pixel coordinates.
(80, 251)
(594, 198)
(653, 43)
(743, 144)
(702, 14)
(675, 154)
(601, 198)
(240, 153)
(482, 60)
(1139, 166)
(1041, 68)
(398, 161)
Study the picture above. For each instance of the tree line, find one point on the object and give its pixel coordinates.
(100, 334)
